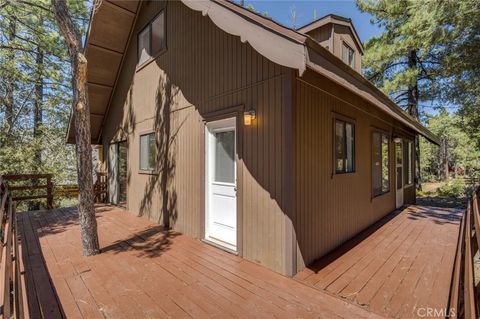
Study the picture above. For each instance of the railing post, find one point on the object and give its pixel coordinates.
(49, 192)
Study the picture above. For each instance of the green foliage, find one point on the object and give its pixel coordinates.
(35, 90)
(455, 188)
(434, 46)
(409, 25)
(462, 152)
(446, 38)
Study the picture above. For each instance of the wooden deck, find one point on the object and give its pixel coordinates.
(147, 272)
(397, 268)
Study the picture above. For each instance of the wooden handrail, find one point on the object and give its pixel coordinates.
(38, 181)
(45, 182)
(463, 302)
(12, 276)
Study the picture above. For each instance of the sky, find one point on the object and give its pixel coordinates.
(279, 10)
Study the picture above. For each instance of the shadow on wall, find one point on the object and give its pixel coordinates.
(165, 157)
(208, 87)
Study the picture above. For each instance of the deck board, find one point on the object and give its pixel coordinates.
(400, 265)
(147, 272)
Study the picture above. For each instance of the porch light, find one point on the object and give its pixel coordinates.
(248, 117)
(397, 139)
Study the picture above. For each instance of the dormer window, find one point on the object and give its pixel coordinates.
(348, 55)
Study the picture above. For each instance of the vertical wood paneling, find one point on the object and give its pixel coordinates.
(332, 208)
(206, 70)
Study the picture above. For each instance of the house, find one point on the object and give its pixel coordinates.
(228, 127)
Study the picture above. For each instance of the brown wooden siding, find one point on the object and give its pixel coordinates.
(331, 208)
(206, 70)
(323, 36)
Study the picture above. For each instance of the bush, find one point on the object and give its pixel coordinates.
(455, 188)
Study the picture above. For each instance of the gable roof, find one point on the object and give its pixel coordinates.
(334, 19)
(277, 43)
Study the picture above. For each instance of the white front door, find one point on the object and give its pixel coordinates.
(399, 173)
(221, 183)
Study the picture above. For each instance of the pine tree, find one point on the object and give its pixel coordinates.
(34, 91)
(428, 51)
(81, 113)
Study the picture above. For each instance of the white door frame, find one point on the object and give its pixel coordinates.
(217, 126)
(399, 201)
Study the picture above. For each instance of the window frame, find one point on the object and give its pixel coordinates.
(345, 45)
(345, 119)
(387, 134)
(153, 171)
(151, 57)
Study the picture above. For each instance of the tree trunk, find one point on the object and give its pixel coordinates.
(81, 114)
(38, 106)
(38, 119)
(445, 159)
(412, 109)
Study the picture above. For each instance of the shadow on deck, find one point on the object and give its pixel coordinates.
(399, 267)
(145, 271)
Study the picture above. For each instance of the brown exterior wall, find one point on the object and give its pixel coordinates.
(331, 208)
(343, 34)
(323, 36)
(205, 70)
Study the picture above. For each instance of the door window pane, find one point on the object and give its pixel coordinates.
(380, 164)
(399, 153)
(377, 164)
(225, 157)
(144, 45)
(148, 152)
(399, 177)
(158, 33)
(399, 163)
(409, 163)
(385, 164)
(122, 172)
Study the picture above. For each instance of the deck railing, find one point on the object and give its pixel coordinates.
(26, 187)
(41, 184)
(12, 278)
(464, 290)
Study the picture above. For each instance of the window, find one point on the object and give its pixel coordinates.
(148, 152)
(158, 34)
(409, 163)
(380, 163)
(152, 39)
(348, 55)
(144, 45)
(344, 147)
(224, 157)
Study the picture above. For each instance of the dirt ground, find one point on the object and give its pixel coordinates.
(431, 187)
